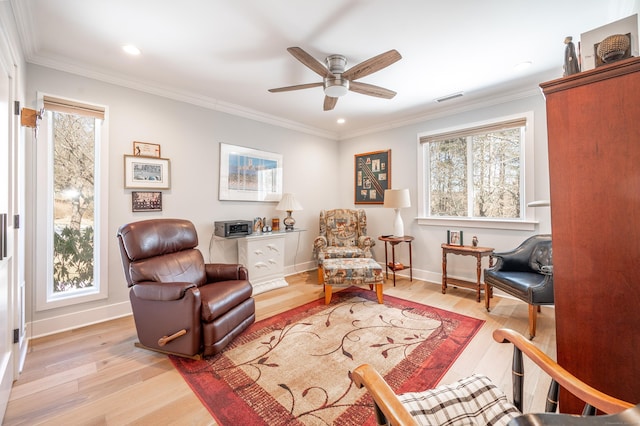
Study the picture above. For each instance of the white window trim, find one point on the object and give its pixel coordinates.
(526, 223)
(44, 212)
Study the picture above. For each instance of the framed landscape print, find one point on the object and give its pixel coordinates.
(248, 174)
(146, 172)
(372, 176)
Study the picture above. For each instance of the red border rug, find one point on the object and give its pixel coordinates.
(295, 368)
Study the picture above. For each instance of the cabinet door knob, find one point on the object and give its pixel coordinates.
(260, 265)
(273, 247)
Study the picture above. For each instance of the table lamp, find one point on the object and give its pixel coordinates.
(288, 203)
(397, 199)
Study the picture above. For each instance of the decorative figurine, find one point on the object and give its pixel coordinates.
(571, 65)
(474, 241)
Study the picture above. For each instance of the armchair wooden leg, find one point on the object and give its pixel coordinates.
(488, 292)
(533, 314)
(320, 275)
(327, 294)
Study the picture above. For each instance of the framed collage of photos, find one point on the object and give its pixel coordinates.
(372, 176)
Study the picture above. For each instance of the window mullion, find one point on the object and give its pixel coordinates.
(470, 186)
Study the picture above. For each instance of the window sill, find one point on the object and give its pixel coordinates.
(519, 225)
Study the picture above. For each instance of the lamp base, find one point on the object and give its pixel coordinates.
(398, 226)
(289, 221)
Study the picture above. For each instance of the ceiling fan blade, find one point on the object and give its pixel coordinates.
(329, 103)
(296, 87)
(371, 90)
(310, 62)
(372, 65)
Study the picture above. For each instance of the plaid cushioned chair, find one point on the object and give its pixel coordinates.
(343, 234)
(476, 401)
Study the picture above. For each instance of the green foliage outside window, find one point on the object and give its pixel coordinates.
(73, 259)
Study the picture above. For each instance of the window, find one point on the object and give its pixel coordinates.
(476, 173)
(71, 210)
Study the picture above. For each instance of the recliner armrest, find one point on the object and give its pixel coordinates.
(151, 290)
(225, 272)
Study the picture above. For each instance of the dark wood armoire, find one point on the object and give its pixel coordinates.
(593, 123)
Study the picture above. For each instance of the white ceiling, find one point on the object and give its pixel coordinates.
(226, 54)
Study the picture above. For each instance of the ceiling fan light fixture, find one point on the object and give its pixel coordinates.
(336, 87)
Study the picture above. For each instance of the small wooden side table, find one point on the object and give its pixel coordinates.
(394, 241)
(478, 253)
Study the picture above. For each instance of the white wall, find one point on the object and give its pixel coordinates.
(317, 170)
(427, 254)
(189, 136)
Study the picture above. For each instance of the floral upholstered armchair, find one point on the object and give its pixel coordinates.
(343, 233)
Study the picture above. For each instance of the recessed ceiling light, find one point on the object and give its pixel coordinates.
(131, 49)
(523, 65)
(341, 120)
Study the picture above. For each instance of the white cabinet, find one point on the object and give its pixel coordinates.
(263, 255)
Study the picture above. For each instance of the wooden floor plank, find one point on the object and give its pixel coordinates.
(96, 376)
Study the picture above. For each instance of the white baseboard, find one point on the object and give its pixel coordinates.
(79, 319)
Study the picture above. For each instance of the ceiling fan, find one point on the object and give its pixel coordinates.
(336, 81)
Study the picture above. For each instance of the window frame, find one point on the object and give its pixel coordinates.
(45, 298)
(527, 222)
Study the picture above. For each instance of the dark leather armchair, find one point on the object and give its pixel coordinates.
(181, 305)
(526, 273)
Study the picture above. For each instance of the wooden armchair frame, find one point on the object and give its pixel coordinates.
(389, 410)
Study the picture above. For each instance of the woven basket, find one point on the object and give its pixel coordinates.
(613, 48)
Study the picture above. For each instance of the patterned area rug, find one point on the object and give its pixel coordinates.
(294, 368)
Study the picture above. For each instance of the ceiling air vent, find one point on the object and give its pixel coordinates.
(449, 97)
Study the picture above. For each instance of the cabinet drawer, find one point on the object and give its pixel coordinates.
(263, 256)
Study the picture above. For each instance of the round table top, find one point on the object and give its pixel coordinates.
(393, 239)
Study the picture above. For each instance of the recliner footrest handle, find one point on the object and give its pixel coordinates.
(166, 339)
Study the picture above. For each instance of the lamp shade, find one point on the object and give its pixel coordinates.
(397, 198)
(288, 203)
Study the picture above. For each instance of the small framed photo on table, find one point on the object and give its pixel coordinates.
(454, 238)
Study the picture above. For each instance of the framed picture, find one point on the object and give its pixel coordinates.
(248, 174)
(373, 176)
(143, 201)
(454, 238)
(590, 40)
(144, 149)
(146, 172)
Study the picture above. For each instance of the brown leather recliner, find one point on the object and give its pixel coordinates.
(181, 305)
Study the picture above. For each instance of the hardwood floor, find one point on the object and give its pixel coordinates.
(95, 376)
